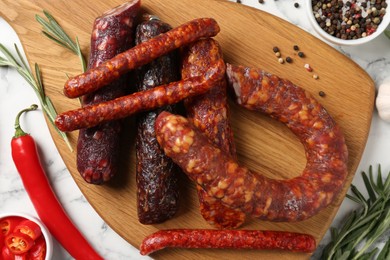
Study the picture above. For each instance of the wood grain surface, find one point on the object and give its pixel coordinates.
(247, 37)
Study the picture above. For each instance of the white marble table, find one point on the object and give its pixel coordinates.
(16, 94)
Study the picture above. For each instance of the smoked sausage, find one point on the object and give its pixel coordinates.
(98, 147)
(236, 186)
(209, 112)
(122, 107)
(156, 174)
(228, 239)
(139, 55)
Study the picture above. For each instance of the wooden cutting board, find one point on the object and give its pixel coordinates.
(247, 37)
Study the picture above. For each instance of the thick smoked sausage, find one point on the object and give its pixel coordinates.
(210, 114)
(98, 147)
(141, 54)
(156, 174)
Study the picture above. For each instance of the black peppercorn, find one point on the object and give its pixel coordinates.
(296, 5)
(288, 59)
(344, 18)
(301, 54)
(275, 49)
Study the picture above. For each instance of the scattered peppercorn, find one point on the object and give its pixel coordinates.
(296, 5)
(280, 60)
(288, 59)
(301, 54)
(238, 1)
(261, 1)
(322, 93)
(276, 49)
(315, 76)
(349, 19)
(308, 68)
(277, 54)
(296, 48)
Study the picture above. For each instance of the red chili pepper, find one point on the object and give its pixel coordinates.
(7, 255)
(38, 251)
(8, 224)
(29, 228)
(50, 211)
(1, 239)
(18, 243)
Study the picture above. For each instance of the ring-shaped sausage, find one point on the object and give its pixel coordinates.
(236, 186)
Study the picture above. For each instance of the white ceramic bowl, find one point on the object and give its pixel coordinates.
(45, 232)
(332, 39)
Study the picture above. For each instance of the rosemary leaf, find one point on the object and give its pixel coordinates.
(365, 225)
(385, 252)
(39, 84)
(56, 33)
(81, 57)
(369, 187)
(35, 82)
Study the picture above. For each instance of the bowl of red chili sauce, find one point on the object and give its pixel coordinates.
(348, 22)
(24, 236)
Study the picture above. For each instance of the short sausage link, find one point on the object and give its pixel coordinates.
(228, 239)
(237, 187)
(156, 174)
(98, 147)
(140, 55)
(122, 107)
(210, 114)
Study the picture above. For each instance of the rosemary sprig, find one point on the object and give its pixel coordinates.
(55, 32)
(365, 225)
(35, 81)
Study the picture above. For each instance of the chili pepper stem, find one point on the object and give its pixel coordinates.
(18, 130)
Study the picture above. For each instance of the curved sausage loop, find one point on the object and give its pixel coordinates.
(237, 187)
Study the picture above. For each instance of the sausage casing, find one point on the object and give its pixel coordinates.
(236, 186)
(98, 147)
(228, 239)
(122, 107)
(139, 55)
(156, 174)
(209, 112)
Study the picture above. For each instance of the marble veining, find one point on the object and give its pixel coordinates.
(15, 94)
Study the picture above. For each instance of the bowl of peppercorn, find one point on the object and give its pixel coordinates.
(348, 22)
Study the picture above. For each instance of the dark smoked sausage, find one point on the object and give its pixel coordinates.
(156, 174)
(141, 54)
(228, 239)
(237, 187)
(210, 114)
(122, 107)
(98, 147)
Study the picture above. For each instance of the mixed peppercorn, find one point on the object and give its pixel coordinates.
(349, 19)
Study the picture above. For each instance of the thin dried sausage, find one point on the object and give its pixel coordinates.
(237, 187)
(141, 54)
(228, 239)
(156, 174)
(122, 107)
(98, 147)
(210, 114)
